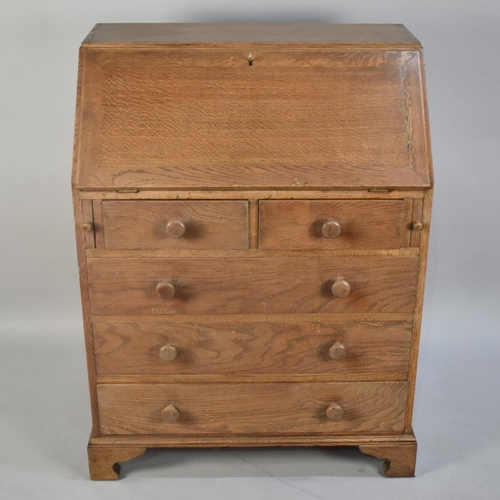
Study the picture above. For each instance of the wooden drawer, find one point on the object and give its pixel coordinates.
(248, 408)
(251, 285)
(175, 224)
(307, 225)
(354, 351)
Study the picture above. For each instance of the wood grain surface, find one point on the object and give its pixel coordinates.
(372, 348)
(364, 35)
(209, 224)
(297, 224)
(103, 460)
(185, 118)
(376, 407)
(238, 286)
(399, 458)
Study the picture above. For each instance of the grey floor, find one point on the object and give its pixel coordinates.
(44, 427)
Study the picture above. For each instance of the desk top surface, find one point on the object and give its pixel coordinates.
(380, 36)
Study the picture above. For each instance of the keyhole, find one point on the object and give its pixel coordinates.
(250, 59)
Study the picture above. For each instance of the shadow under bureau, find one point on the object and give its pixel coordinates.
(252, 207)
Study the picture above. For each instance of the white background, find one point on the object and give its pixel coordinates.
(44, 408)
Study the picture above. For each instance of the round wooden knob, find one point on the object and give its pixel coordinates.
(170, 413)
(168, 352)
(341, 287)
(334, 412)
(165, 289)
(331, 229)
(88, 226)
(337, 351)
(175, 228)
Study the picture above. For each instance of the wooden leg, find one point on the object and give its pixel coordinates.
(103, 460)
(400, 459)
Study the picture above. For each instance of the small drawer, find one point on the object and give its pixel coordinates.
(138, 224)
(322, 224)
(253, 285)
(365, 350)
(252, 408)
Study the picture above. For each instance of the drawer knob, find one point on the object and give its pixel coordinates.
(331, 229)
(337, 351)
(168, 352)
(88, 226)
(175, 228)
(341, 287)
(334, 412)
(165, 289)
(170, 413)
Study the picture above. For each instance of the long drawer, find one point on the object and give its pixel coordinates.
(242, 408)
(364, 350)
(350, 284)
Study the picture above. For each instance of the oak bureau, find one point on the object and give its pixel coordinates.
(252, 207)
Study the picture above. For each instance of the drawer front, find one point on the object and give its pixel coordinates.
(308, 225)
(354, 350)
(268, 408)
(175, 224)
(252, 285)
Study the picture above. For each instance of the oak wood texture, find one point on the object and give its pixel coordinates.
(245, 440)
(321, 224)
(370, 349)
(263, 408)
(286, 121)
(263, 285)
(357, 35)
(399, 458)
(213, 224)
(103, 460)
(255, 194)
(229, 181)
(397, 451)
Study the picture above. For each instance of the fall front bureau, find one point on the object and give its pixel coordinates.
(252, 207)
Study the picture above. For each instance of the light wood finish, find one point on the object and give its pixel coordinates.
(175, 228)
(168, 353)
(259, 318)
(263, 127)
(170, 414)
(331, 229)
(253, 408)
(240, 286)
(335, 412)
(315, 224)
(282, 194)
(424, 245)
(417, 224)
(99, 223)
(337, 351)
(398, 451)
(165, 289)
(203, 224)
(347, 35)
(253, 227)
(225, 254)
(340, 287)
(252, 209)
(88, 223)
(103, 460)
(363, 350)
(242, 440)
(399, 458)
